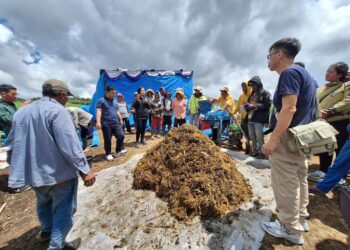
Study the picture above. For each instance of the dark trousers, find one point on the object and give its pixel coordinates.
(150, 119)
(325, 158)
(110, 130)
(126, 124)
(141, 128)
(179, 122)
(86, 133)
(214, 131)
(166, 122)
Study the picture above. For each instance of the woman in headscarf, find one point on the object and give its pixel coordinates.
(156, 112)
(149, 98)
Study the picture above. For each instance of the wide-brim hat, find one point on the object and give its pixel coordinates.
(199, 88)
(180, 92)
(226, 89)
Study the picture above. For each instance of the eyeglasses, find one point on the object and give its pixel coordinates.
(269, 55)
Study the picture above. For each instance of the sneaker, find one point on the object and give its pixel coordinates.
(143, 142)
(316, 176)
(73, 245)
(20, 189)
(152, 137)
(260, 156)
(137, 145)
(341, 182)
(121, 152)
(110, 158)
(305, 224)
(276, 229)
(44, 236)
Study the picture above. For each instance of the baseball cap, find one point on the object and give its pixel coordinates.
(55, 85)
(120, 95)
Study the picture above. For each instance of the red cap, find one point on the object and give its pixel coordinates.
(119, 95)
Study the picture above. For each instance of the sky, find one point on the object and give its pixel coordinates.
(224, 42)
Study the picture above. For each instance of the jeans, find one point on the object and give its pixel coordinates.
(194, 119)
(110, 130)
(256, 135)
(55, 207)
(338, 170)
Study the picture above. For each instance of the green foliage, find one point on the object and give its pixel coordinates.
(72, 102)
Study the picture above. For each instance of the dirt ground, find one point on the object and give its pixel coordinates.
(19, 225)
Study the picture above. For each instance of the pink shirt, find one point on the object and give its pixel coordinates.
(179, 108)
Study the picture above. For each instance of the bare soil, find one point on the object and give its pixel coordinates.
(19, 225)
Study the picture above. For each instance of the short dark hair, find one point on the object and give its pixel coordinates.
(289, 45)
(51, 93)
(301, 64)
(342, 69)
(109, 88)
(6, 88)
(139, 90)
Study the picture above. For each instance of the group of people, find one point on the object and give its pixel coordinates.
(46, 153)
(112, 116)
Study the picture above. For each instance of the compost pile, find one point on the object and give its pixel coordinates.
(189, 171)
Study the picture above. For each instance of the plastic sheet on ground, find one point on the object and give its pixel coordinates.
(111, 215)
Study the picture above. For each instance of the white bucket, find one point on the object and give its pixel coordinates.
(3, 157)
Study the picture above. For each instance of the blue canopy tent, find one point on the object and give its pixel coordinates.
(127, 82)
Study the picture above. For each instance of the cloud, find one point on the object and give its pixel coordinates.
(5, 34)
(6, 77)
(35, 58)
(225, 42)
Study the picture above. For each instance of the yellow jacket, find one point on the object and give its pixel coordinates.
(336, 97)
(243, 98)
(228, 101)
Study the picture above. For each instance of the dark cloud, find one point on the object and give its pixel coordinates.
(224, 42)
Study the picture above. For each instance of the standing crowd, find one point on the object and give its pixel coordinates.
(46, 153)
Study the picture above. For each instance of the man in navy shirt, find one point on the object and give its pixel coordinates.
(294, 100)
(109, 119)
